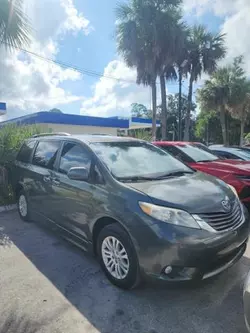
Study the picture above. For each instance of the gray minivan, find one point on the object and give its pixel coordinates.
(142, 212)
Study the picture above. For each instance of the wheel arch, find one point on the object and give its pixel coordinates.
(100, 224)
(19, 187)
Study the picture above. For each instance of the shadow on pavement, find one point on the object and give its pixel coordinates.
(213, 306)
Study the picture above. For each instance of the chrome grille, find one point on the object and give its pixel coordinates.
(224, 221)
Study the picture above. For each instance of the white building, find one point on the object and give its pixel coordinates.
(76, 124)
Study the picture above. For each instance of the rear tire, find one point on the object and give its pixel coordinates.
(118, 257)
(23, 206)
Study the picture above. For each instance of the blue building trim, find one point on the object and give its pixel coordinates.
(3, 106)
(144, 120)
(68, 119)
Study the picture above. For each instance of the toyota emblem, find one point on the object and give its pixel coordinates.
(226, 205)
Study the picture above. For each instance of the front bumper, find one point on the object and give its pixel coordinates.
(191, 253)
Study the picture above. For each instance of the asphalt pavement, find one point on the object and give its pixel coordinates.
(50, 286)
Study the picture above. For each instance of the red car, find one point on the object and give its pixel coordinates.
(233, 172)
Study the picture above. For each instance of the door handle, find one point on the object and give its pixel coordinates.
(46, 179)
(56, 182)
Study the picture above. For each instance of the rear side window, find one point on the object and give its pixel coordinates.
(26, 151)
(225, 154)
(45, 154)
(177, 153)
(73, 155)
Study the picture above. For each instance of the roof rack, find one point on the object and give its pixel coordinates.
(51, 134)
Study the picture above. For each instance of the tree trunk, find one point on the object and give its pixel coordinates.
(163, 108)
(242, 127)
(223, 124)
(189, 106)
(179, 105)
(153, 87)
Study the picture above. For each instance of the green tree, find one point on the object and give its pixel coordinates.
(173, 114)
(11, 139)
(139, 110)
(223, 93)
(204, 52)
(55, 110)
(239, 105)
(14, 25)
(146, 41)
(208, 128)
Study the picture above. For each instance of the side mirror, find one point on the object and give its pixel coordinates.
(78, 173)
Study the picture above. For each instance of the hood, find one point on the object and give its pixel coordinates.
(195, 193)
(225, 166)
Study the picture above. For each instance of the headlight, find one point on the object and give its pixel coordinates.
(234, 190)
(169, 215)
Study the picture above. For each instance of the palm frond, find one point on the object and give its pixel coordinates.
(15, 28)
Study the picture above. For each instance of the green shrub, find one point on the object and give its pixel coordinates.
(141, 134)
(12, 137)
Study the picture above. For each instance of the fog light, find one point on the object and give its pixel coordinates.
(168, 270)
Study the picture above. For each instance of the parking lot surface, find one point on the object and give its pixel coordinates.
(48, 285)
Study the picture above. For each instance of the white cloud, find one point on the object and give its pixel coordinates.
(237, 27)
(31, 84)
(236, 23)
(114, 97)
(75, 21)
(217, 7)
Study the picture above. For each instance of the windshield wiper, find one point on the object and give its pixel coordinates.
(177, 173)
(205, 161)
(134, 179)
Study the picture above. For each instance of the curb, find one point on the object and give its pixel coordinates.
(7, 208)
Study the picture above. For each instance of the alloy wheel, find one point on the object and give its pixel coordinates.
(115, 257)
(23, 208)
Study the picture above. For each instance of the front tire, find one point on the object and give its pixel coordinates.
(23, 206)
(117, 257)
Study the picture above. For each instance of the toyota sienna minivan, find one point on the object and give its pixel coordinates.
(142, 212)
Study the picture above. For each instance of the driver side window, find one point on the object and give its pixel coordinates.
(73, 155)
(177, 153)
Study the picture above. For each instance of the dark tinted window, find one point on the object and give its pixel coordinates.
(225, 154)
(177, 153)
(197, 154)
(74, 155)
(45, 154)
(25, 151)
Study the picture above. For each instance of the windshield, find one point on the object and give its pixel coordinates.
(137, 159)
(244, 154)
(197, 154)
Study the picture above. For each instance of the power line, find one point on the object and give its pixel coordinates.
(75, 68)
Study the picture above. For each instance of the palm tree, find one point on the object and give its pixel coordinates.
(226, 91)
(136, 45)
(242, 110)
(204, 52)
(169, 74)
(171, 43)
(215, 96)
(14, 24)
(146, 42)
(239, 105)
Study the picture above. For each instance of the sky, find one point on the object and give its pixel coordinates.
(81, 34)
